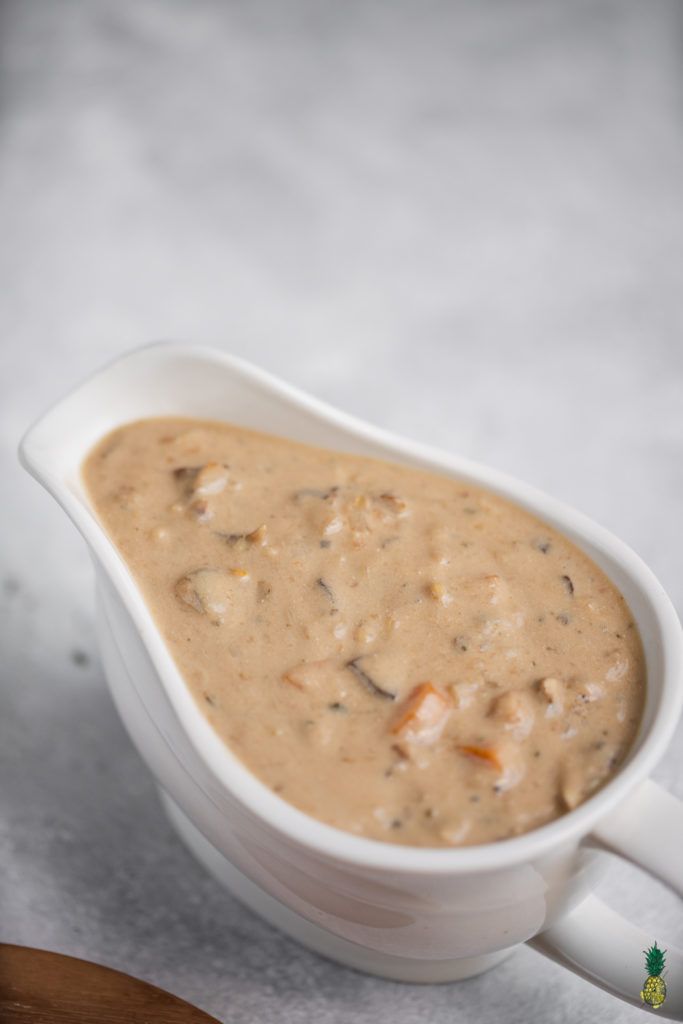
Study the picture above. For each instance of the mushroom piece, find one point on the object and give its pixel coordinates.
(210, 479)
(207, 591)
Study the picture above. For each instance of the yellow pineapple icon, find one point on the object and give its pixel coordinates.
(654, 989)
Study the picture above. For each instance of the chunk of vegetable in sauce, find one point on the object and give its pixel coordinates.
(423, 717)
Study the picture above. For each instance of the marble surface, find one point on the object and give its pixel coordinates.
(461, 221)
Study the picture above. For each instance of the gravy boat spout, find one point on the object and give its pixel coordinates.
(415, 914)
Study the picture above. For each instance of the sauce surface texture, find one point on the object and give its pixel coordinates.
(397, 653)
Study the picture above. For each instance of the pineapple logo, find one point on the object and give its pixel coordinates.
(654, 989)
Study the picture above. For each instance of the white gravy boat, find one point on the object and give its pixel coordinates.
(421, 915)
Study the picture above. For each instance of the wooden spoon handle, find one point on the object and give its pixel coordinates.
(39, 987)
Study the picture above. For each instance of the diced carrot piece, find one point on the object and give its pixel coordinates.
(488, 754)
(423, 716)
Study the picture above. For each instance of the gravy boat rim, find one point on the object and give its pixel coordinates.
(37, 453)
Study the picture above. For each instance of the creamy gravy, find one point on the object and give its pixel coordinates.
(397, 653)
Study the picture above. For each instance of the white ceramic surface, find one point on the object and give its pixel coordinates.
(415, 914)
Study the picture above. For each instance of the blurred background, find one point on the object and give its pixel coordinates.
(462, 221)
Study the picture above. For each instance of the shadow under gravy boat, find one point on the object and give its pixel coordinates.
(407, 913)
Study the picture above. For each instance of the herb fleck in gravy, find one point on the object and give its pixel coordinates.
(397, 653)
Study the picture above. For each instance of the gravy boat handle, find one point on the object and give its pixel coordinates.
(601, 945)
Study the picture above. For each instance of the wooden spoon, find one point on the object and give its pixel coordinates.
(37, 987)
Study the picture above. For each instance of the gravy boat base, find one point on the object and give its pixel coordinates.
(310, 935)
